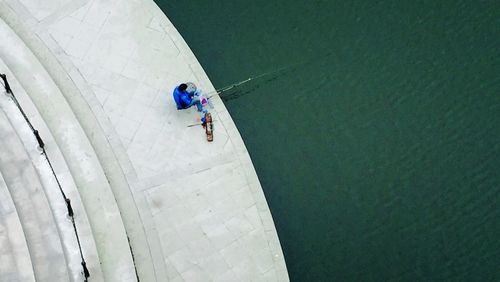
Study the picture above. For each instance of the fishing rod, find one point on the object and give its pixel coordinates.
(236, 84)
(196, 124)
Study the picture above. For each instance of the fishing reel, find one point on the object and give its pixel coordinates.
(191, 87)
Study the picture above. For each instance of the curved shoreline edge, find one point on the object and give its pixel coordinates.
(116, 64)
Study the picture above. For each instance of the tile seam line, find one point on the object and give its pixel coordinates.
(167, 174)
(132, 177)
(66, 10)
(37, 34)
(91, 108)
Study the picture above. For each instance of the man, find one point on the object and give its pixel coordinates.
(184, 99)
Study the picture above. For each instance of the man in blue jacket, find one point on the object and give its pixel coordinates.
(184, 99)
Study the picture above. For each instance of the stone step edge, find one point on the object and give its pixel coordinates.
(108, 147)
(35, 215)
(114, 268)
(115, 163)
(55, 200)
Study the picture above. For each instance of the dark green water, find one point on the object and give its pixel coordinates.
(379, 153)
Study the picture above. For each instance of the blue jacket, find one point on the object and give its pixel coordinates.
(182, 98)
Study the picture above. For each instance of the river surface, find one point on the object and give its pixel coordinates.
(376, 136)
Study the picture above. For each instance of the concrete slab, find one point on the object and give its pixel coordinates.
(39, 227)
(104, 216)
(15, 260)
(55, 199)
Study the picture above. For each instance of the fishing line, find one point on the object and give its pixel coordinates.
(239, 83)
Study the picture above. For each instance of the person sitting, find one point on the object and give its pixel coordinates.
(184, 99)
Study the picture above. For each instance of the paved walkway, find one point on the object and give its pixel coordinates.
(200, 205)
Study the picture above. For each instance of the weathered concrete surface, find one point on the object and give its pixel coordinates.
(15, 260)
(104, 216)
(48, 181)
(39, 228)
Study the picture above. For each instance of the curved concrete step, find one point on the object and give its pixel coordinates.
(56, 201)
(100, 205)
(47, 255)
(15, 260)
(100, 132)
